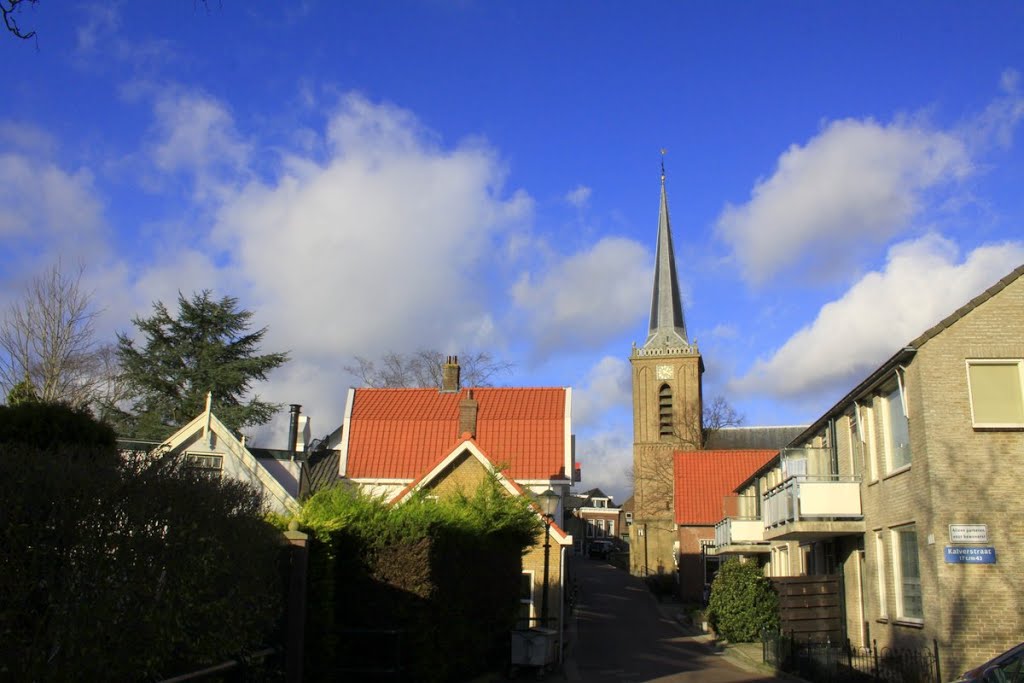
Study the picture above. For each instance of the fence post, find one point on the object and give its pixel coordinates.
(295, 624)
(938, 671)
(874, 653)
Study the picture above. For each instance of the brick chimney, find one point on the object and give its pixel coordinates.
(467, 414)
(450, 374)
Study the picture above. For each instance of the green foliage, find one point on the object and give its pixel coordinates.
(207, 348)
(127, 569)
(22, 392)
(743, 602)
(49, 425)
(446, 572)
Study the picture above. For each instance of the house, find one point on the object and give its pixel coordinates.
(396, 441)
(703, 480)
(906, 488)
(208, 445)
(593, 515)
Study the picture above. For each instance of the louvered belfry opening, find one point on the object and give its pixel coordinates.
(665, 410)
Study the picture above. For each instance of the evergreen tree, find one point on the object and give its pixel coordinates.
(207, 348)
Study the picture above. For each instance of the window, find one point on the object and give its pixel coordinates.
(883, 607)
(206, 464)
(599, 502)
(897, 429)
(908, 573)
(997, 398)
(526, 599)
(590, 528)
(600, 528)
(611, 528)
(870, 444)
(629, 519)
(856, 445)
(665, 410)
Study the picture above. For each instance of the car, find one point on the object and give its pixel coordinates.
(1006, 668)
(600, 550)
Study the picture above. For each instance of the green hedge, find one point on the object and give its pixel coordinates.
(743, 602)
(118, 569)
(446, 574)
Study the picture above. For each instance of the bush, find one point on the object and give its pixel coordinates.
(446, 573)
(743, 602)
(116, 569)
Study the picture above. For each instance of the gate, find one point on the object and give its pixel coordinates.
(811, 608)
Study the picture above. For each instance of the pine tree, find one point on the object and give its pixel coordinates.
(207, 348)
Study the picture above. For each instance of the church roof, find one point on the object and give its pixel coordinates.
(704, 478)
(668, 326)
(399, 434)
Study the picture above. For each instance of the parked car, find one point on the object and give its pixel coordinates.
(600, 550)
(1006, 668)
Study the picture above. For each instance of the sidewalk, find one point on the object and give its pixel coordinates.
(746, 656)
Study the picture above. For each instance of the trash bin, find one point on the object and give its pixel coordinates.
(534, 647)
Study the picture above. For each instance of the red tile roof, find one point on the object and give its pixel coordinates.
(704, 478)
(401, 433)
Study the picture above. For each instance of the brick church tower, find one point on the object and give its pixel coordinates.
(667, 409)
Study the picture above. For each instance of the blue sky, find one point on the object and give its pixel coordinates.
(388, 176)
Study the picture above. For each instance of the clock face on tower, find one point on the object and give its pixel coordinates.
(664, 372)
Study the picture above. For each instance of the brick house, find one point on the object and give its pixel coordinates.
(593, 515)
(906, 488)
(395, 441)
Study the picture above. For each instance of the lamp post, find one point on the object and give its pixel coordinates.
(549, 504)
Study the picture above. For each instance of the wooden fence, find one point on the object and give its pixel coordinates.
(811, 608)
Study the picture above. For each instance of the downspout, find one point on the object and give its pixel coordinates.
(561, 606)
(293, 427)
(833, 447)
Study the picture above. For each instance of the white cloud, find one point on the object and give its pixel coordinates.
(195, 134)
(49, 212)
(606, 386)
(606, 461)
(922, 283)
(388, 244)
(588, 297)
(852, 187)
(579, 196)
(995, 125)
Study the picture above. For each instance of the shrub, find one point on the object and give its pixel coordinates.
(136, 569)
(743, 602)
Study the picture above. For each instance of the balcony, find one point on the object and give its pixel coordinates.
(741, 531)
(809, 508)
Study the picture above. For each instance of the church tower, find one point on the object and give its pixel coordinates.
(667, 409)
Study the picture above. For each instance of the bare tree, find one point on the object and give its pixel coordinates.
(47, 338)
(423, 369)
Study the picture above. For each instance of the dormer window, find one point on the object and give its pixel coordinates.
(599, 502)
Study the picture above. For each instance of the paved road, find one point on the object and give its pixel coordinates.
(623, 636)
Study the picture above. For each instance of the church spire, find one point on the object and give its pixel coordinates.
(668, 327)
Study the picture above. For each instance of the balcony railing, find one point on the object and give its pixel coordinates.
(732, 531)
(812, 498)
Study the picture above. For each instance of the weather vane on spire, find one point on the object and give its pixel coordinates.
(663, 150)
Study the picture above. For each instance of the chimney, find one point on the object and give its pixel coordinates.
(467, 414)
(293, 426)
(450, 374)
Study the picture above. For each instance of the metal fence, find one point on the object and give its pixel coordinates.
(829, 662)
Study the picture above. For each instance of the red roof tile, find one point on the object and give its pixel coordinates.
(401, 433)
(704, 478)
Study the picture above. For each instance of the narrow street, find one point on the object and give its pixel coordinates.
(621, 635)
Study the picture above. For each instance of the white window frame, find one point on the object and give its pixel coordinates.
(611, 528)
(883, 603)
(970, 392)
(887, 402)
(897, 570)
(531, 600)
(600, 528)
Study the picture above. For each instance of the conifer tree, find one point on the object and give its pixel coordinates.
(208, 347)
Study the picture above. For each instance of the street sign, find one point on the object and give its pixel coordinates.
(968, 533)
(959, 555)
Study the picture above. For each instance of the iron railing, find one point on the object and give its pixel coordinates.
(827, 662)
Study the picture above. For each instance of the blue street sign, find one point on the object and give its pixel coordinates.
(966, 555)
